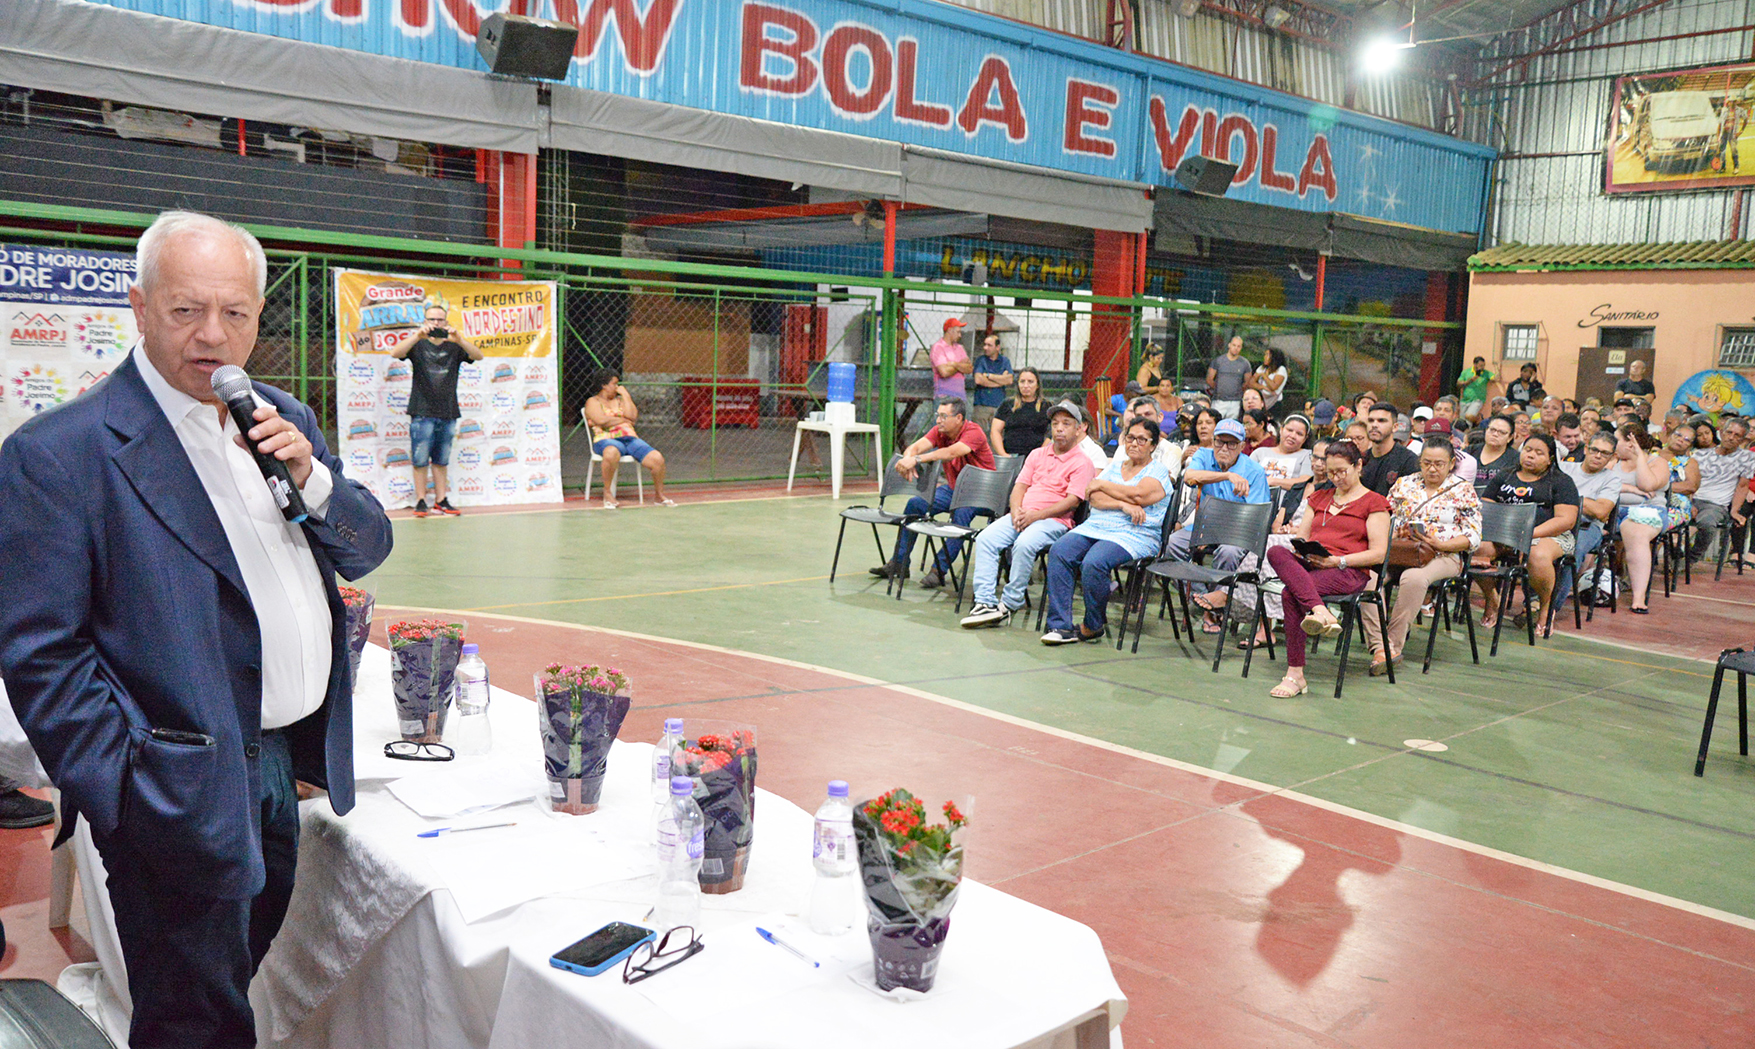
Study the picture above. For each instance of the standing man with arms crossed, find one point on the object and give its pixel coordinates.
(435, 353)
(174, 647)
(993, 373)
(1226, 376)
(1636, 386)
(950, 362)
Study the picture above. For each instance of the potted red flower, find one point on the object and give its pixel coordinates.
(911, 870)
(582, 710)
(423, 674)
(721, 759)
(359, 604)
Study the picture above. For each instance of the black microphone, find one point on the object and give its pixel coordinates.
(233, 387)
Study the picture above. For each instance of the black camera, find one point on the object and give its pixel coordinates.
(441, 333)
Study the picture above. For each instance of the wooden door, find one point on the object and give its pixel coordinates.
(1601, 367)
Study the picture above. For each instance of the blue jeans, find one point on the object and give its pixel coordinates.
(1094, 559)
(430, 439)
(941, 501)
(1025, 545)
(1588, 541)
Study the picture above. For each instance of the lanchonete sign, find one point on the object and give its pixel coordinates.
(936, 75)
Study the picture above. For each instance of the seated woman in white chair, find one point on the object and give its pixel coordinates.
(610, 412)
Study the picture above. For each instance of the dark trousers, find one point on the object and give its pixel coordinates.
(941, 501)
(1093, 560)
(190, 958)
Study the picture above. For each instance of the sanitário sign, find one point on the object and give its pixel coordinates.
(934, 74)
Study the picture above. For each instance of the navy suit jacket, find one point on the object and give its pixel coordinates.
(122, 610)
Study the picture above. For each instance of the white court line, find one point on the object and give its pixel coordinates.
(1582, 878)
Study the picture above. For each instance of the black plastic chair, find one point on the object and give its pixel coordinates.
(988, 492)
(1126, 574)
(892, 483)
(1442, 595)
(34, 1015)
(1353, 617)
(1731, 536)
(1218, 522)
(1742, 663)
(1511, 528)
(1568, 564)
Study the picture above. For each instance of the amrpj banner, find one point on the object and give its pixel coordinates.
(508, 447)
(66, 324)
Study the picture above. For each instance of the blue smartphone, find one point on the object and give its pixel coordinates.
(602, 949)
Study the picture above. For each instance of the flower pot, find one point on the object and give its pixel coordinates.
(359, 605)
(581, 710)
(423, 675)
(906, 955)
(721, 758)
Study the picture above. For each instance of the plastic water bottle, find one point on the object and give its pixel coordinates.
(661, 769)
(834, 897)
(672, 738)
(470, 731)
(681, 840)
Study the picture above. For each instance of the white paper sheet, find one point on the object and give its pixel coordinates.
(741, 969)
(449, 789)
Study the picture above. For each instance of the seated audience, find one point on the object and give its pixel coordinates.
(1286, 464)
(1536, 480)
(1646, 510)
(1128, 501)
(1020, 425)
(1599, 486)
(1439, 518)
(1168, 452)
(956, 442)
(1388, 461)
(1204, 422)
(1526, 389)
(1497, 452)
(1352, 523)
(1725, 471)
(1569, 435)
(1048, 490)
(611, 414)
(1221, 472)
(1636, 386)
(1257, 432)
(1552, 409)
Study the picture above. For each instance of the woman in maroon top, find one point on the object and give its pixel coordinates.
(1352, 522)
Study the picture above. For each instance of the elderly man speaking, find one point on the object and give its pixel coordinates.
(174, 647)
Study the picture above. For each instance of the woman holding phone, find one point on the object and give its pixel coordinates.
(1441, 523)
(1352, 523)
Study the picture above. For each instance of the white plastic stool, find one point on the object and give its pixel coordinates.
(837, 432)
(639, 479)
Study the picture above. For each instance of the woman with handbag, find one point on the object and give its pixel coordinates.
(1440, 522)
(1352, 524)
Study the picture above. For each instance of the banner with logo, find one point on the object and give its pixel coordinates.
(508, 443)
(66, 320)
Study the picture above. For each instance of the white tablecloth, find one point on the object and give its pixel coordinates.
(397, 941)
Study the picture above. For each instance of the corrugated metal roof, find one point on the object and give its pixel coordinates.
(1697, 254)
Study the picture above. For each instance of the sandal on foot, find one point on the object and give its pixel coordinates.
(1208, 601)
(667, 502)
(1258, 641)
(610, 505)
(1209, 623)
(1286, 689)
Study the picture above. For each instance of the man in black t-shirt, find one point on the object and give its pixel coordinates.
(435, 354)
(1636, 385)
(1388, 460)
(1527, 390)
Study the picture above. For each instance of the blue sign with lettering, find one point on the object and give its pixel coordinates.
(934, 74)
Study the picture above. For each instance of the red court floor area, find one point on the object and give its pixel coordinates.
(1234, 915)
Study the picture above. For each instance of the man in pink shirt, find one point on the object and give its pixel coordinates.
(1048, 490)
(950, 362)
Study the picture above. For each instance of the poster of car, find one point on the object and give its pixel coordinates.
(1682, 130)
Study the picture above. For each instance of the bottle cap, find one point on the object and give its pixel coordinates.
(681, 786)
(673, 726)
(837, 788)
(471, 649)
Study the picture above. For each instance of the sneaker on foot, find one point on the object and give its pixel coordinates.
(1061, 637)
(420, 508)
(932, 580)
(19, 811)
(444, 506)
(986, 615)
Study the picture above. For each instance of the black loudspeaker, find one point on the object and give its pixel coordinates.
(529, 47)
(1205, 175)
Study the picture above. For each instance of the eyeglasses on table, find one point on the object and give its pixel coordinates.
(411, 750)
(653, 957)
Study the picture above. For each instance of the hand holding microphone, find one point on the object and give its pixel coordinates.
(233, 387)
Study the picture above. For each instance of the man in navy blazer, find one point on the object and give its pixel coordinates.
(174, 648)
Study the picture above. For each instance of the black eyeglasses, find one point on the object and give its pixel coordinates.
(653, 957)
(411, 750)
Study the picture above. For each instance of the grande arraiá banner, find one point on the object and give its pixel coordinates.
(507, 447)
(66, 321)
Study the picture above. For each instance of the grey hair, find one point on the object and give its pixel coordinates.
(170, 223)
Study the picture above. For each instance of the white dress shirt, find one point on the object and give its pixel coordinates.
(274, 556)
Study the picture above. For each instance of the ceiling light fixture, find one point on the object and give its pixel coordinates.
(1383, 55)
(1275, 17)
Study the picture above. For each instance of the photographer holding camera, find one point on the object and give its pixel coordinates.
(435, 354)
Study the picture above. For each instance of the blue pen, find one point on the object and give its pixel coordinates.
(778, 942)
(459, 830)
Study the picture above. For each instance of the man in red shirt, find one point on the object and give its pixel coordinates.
(956, 442)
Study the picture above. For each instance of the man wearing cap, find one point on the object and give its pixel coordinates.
(1048, 490)
(1417, 428)
(1322, 416)
(1473, 387)
(955, 442)
(950, 362)
(993, 373)
(1388, 460)
(1221, 472)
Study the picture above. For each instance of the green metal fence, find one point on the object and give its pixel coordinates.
(723, 360)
